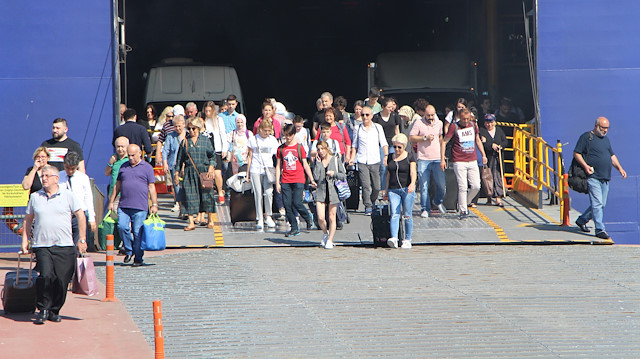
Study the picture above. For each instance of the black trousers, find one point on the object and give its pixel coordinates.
(56, 266)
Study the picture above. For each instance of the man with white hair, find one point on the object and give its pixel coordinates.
(191, 110)
(49, 211)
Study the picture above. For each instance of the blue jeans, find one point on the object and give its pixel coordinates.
(598, 192)
(425, 170)
(130, 222)
(292, 198)
(400, 197)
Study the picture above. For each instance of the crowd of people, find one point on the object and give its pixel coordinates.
(396, 153)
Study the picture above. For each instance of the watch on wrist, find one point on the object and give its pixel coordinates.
(424, 138)
(82, 241)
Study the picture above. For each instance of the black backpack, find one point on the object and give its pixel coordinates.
(577, 176)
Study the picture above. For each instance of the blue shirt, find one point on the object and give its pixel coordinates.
(229, 120)
(597, 152)
(170, 148)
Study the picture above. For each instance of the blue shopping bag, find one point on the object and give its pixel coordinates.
(153, 238)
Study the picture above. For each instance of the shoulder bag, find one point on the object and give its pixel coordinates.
(342, 186)
(577, 175)
(205, 181)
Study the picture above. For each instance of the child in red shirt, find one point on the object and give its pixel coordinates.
(290, 178)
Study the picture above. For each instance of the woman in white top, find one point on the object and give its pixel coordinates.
(262, 148)
(214, 129)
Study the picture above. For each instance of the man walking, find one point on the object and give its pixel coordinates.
(136, 133)
(49, 211)
(594, 153)
(135, 184)
(465, 161)
(80, 185)
(368, 139)
(60, 144)
(427, 133)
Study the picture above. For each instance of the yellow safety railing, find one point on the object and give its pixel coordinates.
(508, 157)
(538, 165)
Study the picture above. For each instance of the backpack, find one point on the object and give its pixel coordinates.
(577, 175)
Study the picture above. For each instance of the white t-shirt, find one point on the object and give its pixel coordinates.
(219, 136)
(263, 151)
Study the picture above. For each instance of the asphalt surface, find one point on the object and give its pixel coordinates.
(486, 301)
(498, 285)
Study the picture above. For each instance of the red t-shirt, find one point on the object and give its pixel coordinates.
(292, 169)
(340, 137)
(464, 142)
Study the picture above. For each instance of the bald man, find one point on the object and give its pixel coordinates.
(135, 185)
(594, 153)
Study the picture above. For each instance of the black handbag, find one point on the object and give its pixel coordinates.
(577, 176)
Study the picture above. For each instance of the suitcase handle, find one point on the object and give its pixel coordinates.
(20, 253)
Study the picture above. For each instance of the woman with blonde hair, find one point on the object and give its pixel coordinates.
(31, 180)
(401, 189)
(261, 149)
(325, 172)
(197, 156)
(215, 130)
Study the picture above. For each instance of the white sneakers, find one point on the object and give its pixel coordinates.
(325, 237)
(442, 209)
(176, 207)
(260, 225)
(424, 214)
(329, 245)
(393, 243)
(269, 222)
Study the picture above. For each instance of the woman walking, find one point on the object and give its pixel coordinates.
(328, 169)
(401, 189)
(262, 147)
(493, 140)
(214, 129)
(197, 156)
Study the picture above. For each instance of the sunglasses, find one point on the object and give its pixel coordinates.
(193, 128)
(398, 147)
(366, 114)
(169, 116)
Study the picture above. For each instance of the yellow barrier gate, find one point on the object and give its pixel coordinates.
(508, 151)
(537, 167)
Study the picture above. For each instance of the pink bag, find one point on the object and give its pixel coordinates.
(85, 280)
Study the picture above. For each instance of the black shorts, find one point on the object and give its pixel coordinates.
(219, 161)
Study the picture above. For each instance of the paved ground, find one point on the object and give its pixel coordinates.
(357, 302)
(257, 294)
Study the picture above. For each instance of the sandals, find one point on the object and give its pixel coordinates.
(189, 228)
(472, 205)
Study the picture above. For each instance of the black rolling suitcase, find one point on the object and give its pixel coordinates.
(381, 226)
(19, 292)
(451, 195)
(242, 207)
(353, 179)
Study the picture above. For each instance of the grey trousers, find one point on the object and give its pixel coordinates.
(370, 180)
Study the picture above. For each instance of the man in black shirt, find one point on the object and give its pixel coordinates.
(594, 153)
(136, 133)
(60, 144)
